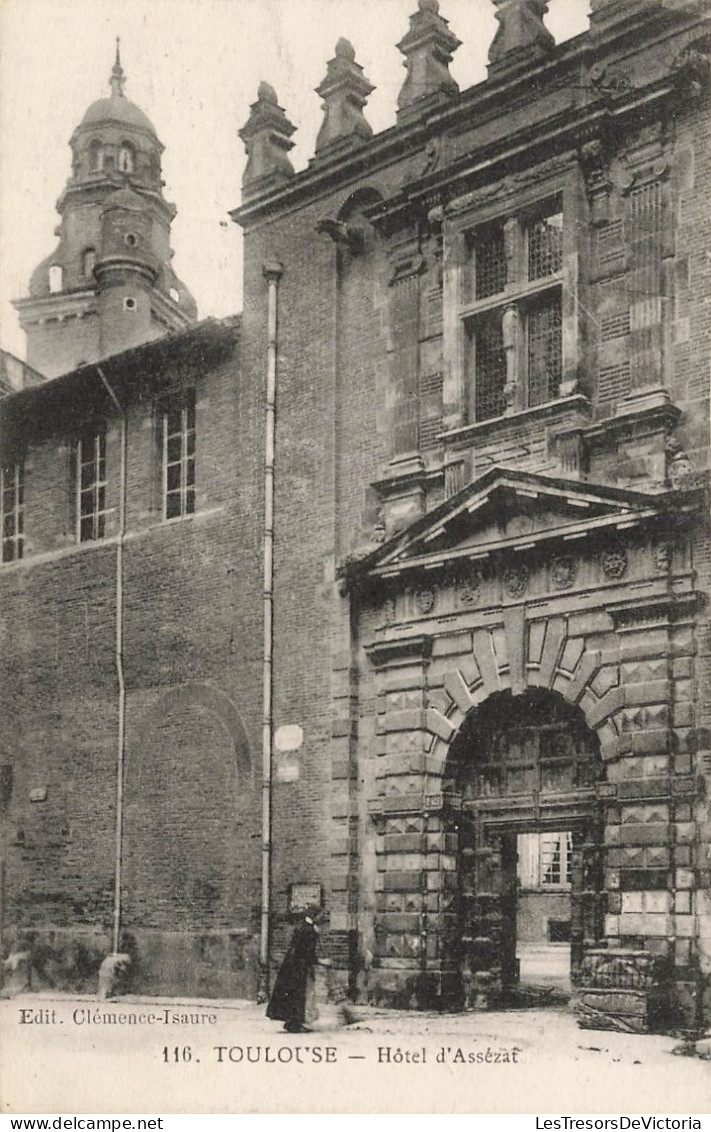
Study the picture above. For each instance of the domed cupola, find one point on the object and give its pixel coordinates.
(115, 139)
(114, 234)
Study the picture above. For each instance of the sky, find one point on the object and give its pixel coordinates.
(193, 66)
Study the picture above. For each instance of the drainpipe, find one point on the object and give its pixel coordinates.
(272, 273)
(121, 739)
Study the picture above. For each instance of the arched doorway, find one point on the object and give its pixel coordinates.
(530, 829)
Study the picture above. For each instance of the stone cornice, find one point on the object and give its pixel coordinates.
(490, 97)
(399, 651)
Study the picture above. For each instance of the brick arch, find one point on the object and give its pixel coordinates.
(210, 699)
(516, 656)
(371, 193)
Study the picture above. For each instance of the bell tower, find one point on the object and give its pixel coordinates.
(109, 284)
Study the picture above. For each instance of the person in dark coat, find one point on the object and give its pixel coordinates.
(293, 999)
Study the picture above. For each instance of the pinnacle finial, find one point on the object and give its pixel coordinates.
(117, 80)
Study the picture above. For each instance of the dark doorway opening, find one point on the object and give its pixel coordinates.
(530, 848)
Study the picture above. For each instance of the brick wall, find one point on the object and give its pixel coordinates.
(192, 660)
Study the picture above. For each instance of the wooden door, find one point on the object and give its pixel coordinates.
(488, 913)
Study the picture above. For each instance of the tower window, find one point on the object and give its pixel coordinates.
(178, 420)
(129, 304)
(131, 239)
(91, 484)
(87, 263)
(55, 278)
(96, 156)
(12, 511)
(126, 158)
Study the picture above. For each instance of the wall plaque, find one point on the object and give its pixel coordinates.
(303, 896)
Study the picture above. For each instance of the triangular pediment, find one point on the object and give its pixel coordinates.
(509, 509)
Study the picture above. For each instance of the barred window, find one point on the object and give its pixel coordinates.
(179, 455)
(12, 507)
(545, 246)
(91, 482)
(512, 311)
(490, 368)
(490, 262)
(545, 350)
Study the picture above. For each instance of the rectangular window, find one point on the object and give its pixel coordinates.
(545, 860)
(489, 368)
(12, 511)
(555, 859)
(91, 484)
(545, 246)
(512, 311)
(490, 262)
(179, 455)
(544, 349)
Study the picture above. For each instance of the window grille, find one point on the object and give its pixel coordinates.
(179, 456)
(490, 263)
(645, 209)
(430, 423)
(91, 477)
(545, 351)
(12, 506)
(545, 246)
(490, 370)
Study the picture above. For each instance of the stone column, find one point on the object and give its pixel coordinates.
(455, 261)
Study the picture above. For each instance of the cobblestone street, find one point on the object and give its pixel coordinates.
(75, 1055)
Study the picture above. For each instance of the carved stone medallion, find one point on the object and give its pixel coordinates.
(614, 562)
(563, 571)
(516, 580)
(468, 588)
(389, 610)
(425, 599)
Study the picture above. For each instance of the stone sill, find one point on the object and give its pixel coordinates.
(551, 410)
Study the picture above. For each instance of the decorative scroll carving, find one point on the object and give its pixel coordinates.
(609, 80)
(595, 167)
(505, 186)
(679, 472)
(692, 70)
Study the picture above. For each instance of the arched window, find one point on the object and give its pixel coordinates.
(96, 156)
(126, 158)
(55, 278)
(87, 262)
